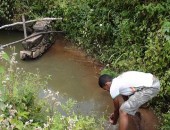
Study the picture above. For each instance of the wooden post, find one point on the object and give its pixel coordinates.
(24, 26)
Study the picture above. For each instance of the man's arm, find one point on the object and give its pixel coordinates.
(115, 115)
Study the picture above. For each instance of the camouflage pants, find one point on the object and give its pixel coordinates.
(140, 97)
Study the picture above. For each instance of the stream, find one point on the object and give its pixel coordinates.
(74, 75)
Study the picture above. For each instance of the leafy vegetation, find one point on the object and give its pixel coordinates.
(123, 34)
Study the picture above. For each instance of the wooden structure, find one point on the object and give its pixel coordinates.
(39, 41)
(38, 44)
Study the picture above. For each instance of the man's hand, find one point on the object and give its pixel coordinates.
(112, 119)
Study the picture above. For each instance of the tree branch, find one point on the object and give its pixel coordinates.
(19, 23)
(11, 43)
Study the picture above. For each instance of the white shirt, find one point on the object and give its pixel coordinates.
(128, 82)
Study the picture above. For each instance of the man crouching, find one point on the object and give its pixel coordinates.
(140, 87)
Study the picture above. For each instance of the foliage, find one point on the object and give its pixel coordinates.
(108, 71)
(19, 95)
(166, 121)
(6, 10)
(12, 10)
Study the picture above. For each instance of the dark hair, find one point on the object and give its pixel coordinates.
(103, 79)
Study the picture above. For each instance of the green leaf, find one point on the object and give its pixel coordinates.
(23, 114)
(2, 106)
(19, 124)
(5, 56)
(2, 69)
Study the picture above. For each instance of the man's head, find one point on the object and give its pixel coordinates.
(105, 81)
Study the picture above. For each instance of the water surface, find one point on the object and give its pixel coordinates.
(72, 74)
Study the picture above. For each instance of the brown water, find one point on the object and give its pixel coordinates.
(73, 75)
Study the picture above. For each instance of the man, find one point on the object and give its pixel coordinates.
(140, 87)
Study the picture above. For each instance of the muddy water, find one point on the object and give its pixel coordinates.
(74, 76)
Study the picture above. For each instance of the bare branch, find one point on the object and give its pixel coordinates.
(19, 23)
(11, 43)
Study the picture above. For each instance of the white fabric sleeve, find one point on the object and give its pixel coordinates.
(114, 92)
